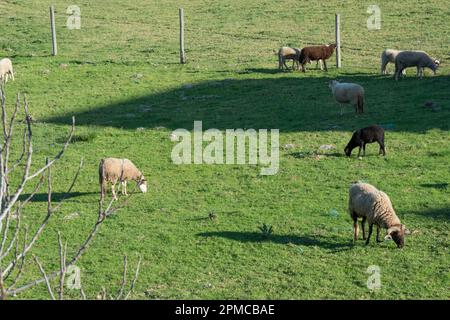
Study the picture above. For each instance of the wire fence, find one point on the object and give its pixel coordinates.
(114, 31)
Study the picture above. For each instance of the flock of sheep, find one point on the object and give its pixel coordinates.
(365, 201)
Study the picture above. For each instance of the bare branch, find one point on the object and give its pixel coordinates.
(47, 282)
(136, 275)
(63, 269)
(124, 278)
(67, 193)
(22, 261)
(14, 238)
(58, 156)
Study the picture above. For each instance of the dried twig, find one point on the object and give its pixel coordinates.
(9, 203)
(47, 282)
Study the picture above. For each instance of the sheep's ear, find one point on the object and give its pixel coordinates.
(388, 238)
(407, 232)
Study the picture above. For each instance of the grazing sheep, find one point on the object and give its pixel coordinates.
(316, 53)
(387, 56)
(114, 170)
(348, 93)
(418, 59)
(287, 53)
(363, 136)
(6, 70)
(373, 205)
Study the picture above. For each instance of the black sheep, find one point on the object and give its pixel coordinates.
(363, 136)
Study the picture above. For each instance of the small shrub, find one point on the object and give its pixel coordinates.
(266, 230)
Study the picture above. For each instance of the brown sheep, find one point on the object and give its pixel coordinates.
(316, 53)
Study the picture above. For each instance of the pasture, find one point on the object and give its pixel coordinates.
(120, 76)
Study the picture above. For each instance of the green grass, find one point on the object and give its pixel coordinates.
(119, 75)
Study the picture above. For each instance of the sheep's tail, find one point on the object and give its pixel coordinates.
(361, 103)
(101, 178)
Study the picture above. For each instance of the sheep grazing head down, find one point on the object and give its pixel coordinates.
(142, 184)
(397, 233)
(354, 142)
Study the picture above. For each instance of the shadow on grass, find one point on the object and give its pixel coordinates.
(298, 102)
(302, 155)
(270, 71)
(439, 186)
(436, 213)
(249, 237)
(56, 196)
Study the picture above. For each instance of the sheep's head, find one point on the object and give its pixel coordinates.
(352, 144)
(332, 83)
(348, 151)
(142, 184)
(397, 233)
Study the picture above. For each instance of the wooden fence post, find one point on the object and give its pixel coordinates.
(53, 28)
(338, 41)
(182, 53)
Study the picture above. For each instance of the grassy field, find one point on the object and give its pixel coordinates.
(119, 76)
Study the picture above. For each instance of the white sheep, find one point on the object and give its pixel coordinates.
(418, 59)
(288, 53)
(6, 70)
(115, 170)
(369, 203)
(348, 93)
(388, 56)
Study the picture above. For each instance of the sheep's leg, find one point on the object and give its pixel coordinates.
(370, 233)
(378, 234)
(355, 228)
(363, 227)
(342, 109)
(383, 67)
(12, 75)
(359, 151)
(325, 65)
(124, 188)
(113, 190)
(382, 149)
(364, 149)
(102, 190)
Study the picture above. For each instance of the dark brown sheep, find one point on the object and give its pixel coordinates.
(363, 136)
(315, 53)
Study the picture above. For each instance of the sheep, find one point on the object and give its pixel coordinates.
(113, 170)
(373, 205)
(287, 53)
(363, 136)
(387, 56)
(418, 59)
(316, 53)
(6, 70)
(348, 93)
